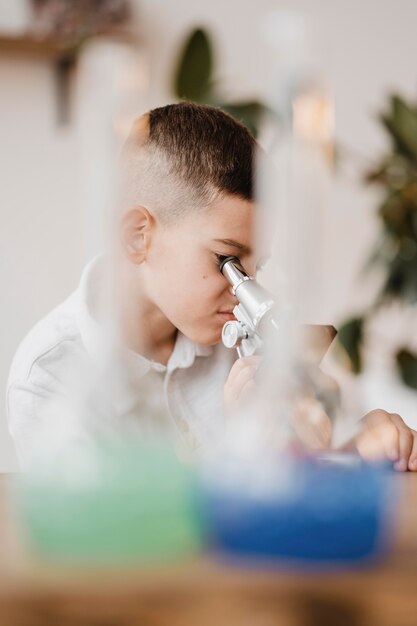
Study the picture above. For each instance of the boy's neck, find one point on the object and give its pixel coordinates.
(161, 353)
(148, 332)
(145, 329)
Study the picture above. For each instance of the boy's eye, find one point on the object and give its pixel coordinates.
(220, 257)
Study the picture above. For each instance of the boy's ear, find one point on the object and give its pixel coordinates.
(136, 229)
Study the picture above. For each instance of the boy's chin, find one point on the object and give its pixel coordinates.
(205, 338)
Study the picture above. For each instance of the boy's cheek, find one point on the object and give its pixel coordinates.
(201, 323)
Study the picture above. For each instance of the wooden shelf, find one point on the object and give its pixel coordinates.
(52, 48)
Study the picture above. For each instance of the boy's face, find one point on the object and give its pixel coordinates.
(182, 273)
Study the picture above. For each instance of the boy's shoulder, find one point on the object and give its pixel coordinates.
(55, 334)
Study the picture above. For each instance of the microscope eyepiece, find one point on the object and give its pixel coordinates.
(226, 259)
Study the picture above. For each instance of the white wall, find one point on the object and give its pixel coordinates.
(365, 49)
(39, 215)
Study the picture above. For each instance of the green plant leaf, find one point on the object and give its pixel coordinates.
(248, 113)
(407, 365)
(396, 253)
(393, 212)
(401, 278)
(193, 77)
(395, 172)
(350, 336)
(402, 125)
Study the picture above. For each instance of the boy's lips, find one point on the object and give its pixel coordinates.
(227, 314)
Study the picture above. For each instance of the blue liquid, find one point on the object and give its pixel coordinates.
(327, 513)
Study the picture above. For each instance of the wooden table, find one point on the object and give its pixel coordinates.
(206, 592)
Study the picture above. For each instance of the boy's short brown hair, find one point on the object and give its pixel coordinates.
(189, 155)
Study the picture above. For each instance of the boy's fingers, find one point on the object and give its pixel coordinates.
(241, 374)
(377, 442)
(398, 421)
(244, 376)
(406, 445)
(368, 446)
(247, 390)
(388, 435)
(241, 364)
(376, 417)
(405, 441)
(412, 463)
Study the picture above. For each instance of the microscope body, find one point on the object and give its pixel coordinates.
(316, 393)
(253, 312)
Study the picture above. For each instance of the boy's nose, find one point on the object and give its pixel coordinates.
(249, 265)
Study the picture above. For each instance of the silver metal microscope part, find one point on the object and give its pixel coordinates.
(236, 276)
(255, 305)
(233, 333)
(251, 295)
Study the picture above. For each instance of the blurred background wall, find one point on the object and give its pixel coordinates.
(364, 49)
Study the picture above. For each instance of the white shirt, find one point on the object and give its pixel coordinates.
(67, 381)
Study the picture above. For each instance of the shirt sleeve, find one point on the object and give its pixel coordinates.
(40, 420)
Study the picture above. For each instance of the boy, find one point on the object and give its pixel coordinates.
(187, 186)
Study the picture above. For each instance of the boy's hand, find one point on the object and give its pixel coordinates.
(310, 422)
(240, 383)
(385, 435)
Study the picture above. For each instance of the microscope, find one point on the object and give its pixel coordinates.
(253, 313)
(255, 317)
(255, 320)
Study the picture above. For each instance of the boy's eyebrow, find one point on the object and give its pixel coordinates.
(235, 244)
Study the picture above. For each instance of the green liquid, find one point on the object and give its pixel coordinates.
(132, 502)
